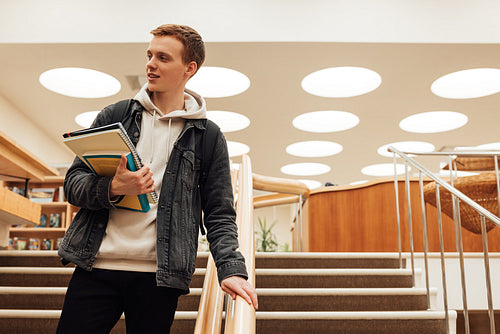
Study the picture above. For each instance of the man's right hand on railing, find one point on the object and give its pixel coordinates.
(238, 286)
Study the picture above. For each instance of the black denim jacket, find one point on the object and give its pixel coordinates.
(180, 206)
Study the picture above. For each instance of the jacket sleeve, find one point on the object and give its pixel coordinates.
(220, 215)
(82, 187)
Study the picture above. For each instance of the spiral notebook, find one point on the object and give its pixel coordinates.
(100, 148)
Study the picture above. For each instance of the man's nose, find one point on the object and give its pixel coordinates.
(151, 62)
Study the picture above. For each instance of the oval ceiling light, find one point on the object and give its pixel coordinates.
(228, 121)
(311, 184)
(406, 146)
(235, 148)
(211, 81)
(459, 173)
(383, 169)
(305, 169)
(314, 149)
(344, 81)
(433, 121)
(355, 183)
(80, 82)
(468, 84)
(85, 119)
(490, 146)
(325, 121)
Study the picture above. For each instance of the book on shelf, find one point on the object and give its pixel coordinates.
(101, 148)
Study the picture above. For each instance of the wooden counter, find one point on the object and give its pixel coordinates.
(363, 219)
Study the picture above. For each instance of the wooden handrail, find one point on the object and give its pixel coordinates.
(240, 317)
(275, 184)
(209, 319)
(274, 199)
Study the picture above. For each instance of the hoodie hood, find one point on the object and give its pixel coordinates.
(194, 105)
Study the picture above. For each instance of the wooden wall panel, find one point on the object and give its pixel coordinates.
(363, 219)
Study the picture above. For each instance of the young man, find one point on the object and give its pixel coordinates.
(139, 263)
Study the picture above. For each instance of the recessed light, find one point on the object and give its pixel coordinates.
(211, 81)
(80, 82)
(433, 121)
(85, 119)
(406, 146)
(355, 183)
(305, 169)
(383, 169)
(325, 121)
(344, 81)
(314, 149)
(235, 148)
(311, 184)
(228, 121)
(460, 173)
(467, 84)
(490, 146)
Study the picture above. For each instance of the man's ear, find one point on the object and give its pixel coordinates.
(191, 69)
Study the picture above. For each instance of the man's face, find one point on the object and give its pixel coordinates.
(165, 68)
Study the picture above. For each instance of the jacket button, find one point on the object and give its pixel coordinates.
(100, 225)
(136, 134)
(87, 261)
(162, 206)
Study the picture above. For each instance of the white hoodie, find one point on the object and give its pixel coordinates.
(130, 239)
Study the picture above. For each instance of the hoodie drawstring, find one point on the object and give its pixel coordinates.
(152, 138)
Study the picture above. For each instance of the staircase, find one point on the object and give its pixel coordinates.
(298, 293)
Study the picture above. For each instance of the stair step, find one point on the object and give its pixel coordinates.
(47, 258)
(52, 298)
(56, 277)
(45, 322)
(408, 322)
(333, 278)
(327, 260)
(28, 258)
(380, 299)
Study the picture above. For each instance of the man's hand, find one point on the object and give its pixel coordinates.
(238, 286)
(126, 182)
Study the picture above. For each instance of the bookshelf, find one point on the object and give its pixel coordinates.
(36, 235)
(19, 166)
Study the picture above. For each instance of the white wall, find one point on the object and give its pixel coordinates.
(475, 279)
(413, 21)
(13, 122)
(284, 215)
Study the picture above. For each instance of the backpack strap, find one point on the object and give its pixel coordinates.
(121, 110)
(208, 142)
(208, 146)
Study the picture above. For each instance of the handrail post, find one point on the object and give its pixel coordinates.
(443, 267)
(459, 243)
(398, 218)
(498, 182)
(410, 223)
(300, 223)
(487, 275)
(426, 240)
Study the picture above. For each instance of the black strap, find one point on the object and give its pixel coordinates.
(121, 110)
(209, 137)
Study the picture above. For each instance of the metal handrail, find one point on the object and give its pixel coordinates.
(452, 190)
(457, 196)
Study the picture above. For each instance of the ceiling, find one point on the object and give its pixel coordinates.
(275, 96)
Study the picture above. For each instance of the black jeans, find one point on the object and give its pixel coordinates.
(96, 299)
